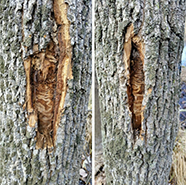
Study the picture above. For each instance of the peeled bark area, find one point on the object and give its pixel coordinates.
(47, 74)
(134, 61)
(43, 109)
(138, 53)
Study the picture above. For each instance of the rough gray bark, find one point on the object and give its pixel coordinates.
(139, 154)
(24, 23)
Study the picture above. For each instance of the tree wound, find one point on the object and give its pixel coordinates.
(134, 62)
(47, 73)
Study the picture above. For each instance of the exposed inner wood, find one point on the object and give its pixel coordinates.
(47, 73)
(64, 68)
(134, 61)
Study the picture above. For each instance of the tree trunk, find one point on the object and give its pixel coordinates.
(138, 54)
(45, 78)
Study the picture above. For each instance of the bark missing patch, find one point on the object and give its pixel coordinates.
(134, 61)
(47, 73)
(65, 49)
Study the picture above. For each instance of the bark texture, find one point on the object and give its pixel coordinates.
(27, 28)
(138, 141)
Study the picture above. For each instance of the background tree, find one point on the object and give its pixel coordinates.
(138, 53)
(98, 137)
(40, 39)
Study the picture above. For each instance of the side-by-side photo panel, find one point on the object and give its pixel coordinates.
(92, 92)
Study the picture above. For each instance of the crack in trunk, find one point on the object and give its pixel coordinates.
(134, 62)
(47, 72)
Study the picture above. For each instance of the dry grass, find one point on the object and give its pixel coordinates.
(178, 171)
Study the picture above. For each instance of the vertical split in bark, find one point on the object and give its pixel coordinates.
(47, 72)
(134, 62)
